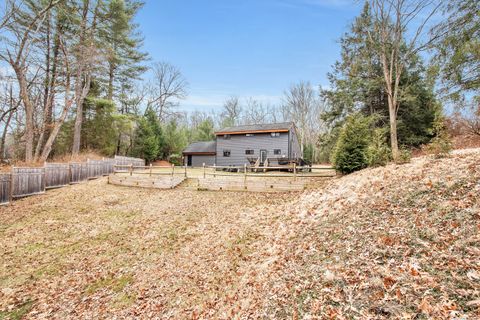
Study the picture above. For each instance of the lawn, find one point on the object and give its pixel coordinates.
(95, 249)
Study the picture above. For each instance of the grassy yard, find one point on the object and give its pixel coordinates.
(95, 249)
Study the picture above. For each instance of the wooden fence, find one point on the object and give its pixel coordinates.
(5, 188)
(78, 172)
(22, 182)
(27, 181)
(57, 175)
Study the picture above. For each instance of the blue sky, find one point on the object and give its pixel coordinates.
(248, 48)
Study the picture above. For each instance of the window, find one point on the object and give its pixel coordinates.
(277, 151)
(226, 153)
(249, 151)
(249, 134)
(226, 136)
(275, 134)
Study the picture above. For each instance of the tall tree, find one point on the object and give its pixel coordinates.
(167, 88)
(357, 83)
(302, 106)
(21, 27)
(457, 48)
(392, 20)
(122, 44)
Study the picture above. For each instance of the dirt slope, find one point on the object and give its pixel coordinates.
(391, 242)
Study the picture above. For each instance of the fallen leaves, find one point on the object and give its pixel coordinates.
(391, 242)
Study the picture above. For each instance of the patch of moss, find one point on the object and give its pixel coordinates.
(110, 283)
(18, 313)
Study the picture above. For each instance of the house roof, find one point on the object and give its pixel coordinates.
(257, 128)
(201, 147)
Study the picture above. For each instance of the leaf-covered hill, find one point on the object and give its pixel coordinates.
(391, 242)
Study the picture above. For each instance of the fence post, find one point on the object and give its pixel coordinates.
(185, 170)
(245, 175)
(173, 169)
(11, 187)
(214, 169)
(131, 168)
(204, 170)
(150, 169)
(294, 171)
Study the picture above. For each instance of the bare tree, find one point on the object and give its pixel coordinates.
(85, 58)
(167, 88)
(302, 107)
(17, 55)
(471, 119)
(255, 112)
(231, 112)
(392, 19)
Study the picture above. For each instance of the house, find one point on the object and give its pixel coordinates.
(199, 153)
(247, 144)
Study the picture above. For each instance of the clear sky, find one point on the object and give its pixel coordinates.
(248, 48)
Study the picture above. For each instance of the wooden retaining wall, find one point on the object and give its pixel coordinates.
(156, 182)
(260, 184)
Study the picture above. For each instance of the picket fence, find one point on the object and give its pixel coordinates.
(23, 182)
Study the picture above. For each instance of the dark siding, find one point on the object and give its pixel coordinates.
(199, 160)
(237, 144)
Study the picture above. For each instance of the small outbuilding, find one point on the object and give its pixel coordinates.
(198, 153)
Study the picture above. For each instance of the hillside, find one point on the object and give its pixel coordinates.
(397, 241)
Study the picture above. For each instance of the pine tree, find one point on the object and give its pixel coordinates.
(357, 84)
(122, 45)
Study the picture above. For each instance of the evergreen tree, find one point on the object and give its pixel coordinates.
(122, 45)
(148, 137)
(357, 84)
(204, 131)
(458, 48)
(351, 150)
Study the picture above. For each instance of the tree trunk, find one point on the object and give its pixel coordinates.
(77, 130)
(4, 135)
(53, 134)
(27, 103)
(392, 111)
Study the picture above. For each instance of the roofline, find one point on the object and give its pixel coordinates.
(251, 131)
(200, 153)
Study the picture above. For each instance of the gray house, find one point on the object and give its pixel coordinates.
(247, 144)
(198, 153)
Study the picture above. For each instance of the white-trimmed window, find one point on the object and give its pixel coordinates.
(226, 153)
(277, 151)
(275, 134)
(249, 151)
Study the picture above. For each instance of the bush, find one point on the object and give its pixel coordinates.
(175, 159)
(405, 156)
(378, 152)
(351, 150)
(441, 145)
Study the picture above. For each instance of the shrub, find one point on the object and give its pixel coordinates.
(351, 150)
(405, 156)
(378, 152)
(175, 159)
(441, 145)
